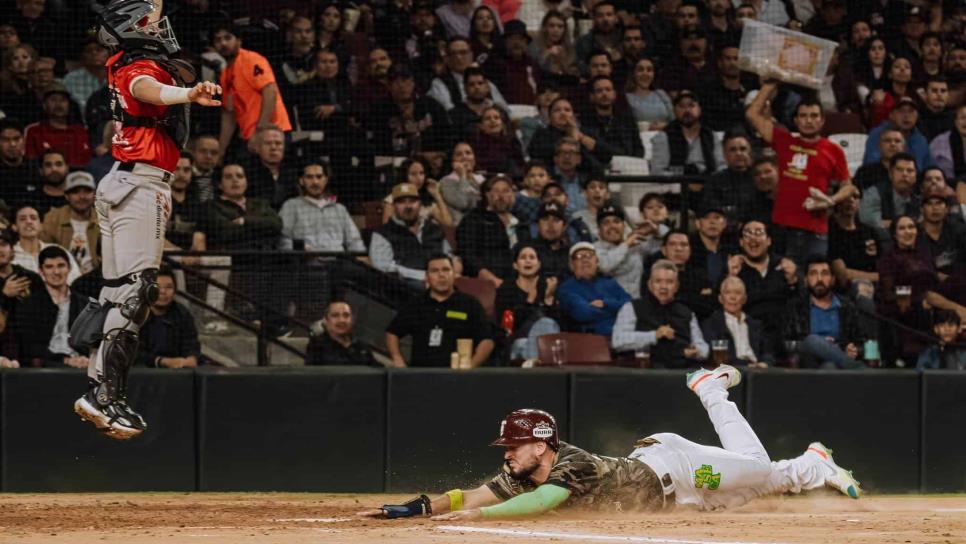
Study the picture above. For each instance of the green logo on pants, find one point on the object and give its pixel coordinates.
(706, 476)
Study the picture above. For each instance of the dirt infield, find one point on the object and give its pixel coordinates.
(229, 518)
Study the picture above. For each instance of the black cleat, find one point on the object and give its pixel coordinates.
(114, 419)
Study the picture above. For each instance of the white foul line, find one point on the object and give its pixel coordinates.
(577, 536)
(949, 509)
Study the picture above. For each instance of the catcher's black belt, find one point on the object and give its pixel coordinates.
(129, 167)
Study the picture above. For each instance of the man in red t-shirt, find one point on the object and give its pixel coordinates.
(809, 167)
(133, 200)
(56, 131)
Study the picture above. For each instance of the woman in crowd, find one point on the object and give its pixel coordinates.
(909, 284)
(899, 85)
(872, 67)
(461, 187)
(322, 102)
(484, 33)
(647, 103)
(348, 46)
(552, 50)
(497, 148)
(532, 303)
(17, 98)
(414, 172)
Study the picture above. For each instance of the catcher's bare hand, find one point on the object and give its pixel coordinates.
(460, 515)
(204, 94)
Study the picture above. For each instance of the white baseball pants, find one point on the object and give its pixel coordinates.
(710, 478)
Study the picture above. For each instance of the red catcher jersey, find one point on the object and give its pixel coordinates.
(802, 165)
(141, 144)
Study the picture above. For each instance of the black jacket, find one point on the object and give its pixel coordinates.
(619, 131)
(483, 243)
(170, 335)
(714, 328)
(323, 350)
(34, 321)
(796, 322)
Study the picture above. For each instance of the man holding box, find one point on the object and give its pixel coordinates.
(809, 166)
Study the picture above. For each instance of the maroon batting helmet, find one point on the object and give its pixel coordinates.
(528, 425)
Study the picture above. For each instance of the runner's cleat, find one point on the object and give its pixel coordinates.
(841, 479)
(114, 420)
(728, 373)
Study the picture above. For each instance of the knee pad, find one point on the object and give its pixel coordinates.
(135, 307)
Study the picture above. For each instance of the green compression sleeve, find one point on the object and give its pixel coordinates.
(546, 497)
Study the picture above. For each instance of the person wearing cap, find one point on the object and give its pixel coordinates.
(75, 226)
(486, 234)
(884, 202)
(944, 237)
(914, 25)
(709, 248)
(577, 229)
(830, 23)
(949, 148)
(391, 121)
(402, 245)
(58, 131)
(550, 238)
(619, 250)
(686, 145)
(448, 89)
(660, 322)
(904, 117)
(590, 300)
(511, 68)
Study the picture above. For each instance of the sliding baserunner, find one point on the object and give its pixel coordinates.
(542, 473)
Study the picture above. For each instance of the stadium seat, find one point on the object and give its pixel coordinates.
(372, 210)
(521, 111)
(842, 123)
(646, 137)
(582, 349)
(622, 165)
(482, 290)
(854, 146)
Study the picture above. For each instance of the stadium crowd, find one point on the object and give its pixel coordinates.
(484, 136)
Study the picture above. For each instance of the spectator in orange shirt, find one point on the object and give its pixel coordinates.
(56, 131)
(251, 94)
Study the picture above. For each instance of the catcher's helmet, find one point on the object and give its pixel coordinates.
(528, 425)
(125, 24)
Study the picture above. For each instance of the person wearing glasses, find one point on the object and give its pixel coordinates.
(589, 300)
(769, 280)
(449, 89)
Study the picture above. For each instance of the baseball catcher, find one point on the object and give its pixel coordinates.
(150, 109)
(542, 473)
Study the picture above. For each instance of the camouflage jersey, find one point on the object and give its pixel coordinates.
(595, 482)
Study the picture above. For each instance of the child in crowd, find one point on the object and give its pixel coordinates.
(945, 355)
